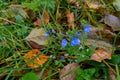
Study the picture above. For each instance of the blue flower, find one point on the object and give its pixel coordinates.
(62, 57)
(78, 34)
(86, 29)
(64, 43)
(53, 31)
(47, 33)
(75, 41)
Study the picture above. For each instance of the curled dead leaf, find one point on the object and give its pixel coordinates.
(37, 22)
(3, 74)
(112, 75)
(45, 20)
(93, 4)
(112, 21)
(70, 19)
(100, 55)
(105, 34)
(100, 44)
(18, 10)
(66, 74)
(75, 2)
(40, 60)
(46, 17)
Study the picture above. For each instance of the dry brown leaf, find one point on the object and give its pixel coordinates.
(45, 19)
(40, 60)
(44, 75)
(35, 45)
(3, 74)
(75, 2)
(100, 55)
(70, 19)
(65, 72)
(18, 10)
(93, 4)
(112, 21)
(100, 44)
(105, 34)
(112, 75)
(37, 22)
(37, 36)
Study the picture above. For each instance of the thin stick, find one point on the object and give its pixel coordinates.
(10, 21)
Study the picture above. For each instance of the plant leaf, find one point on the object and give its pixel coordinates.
(100, 44)
(18, 10)
(40, 60)
(112, 21)
(70, 19)
(75, 2)
(93, 4)
(116, 4)
(100, 55)
(39, 21)
(30, 76)
(66, 74)
(115, 59)
(37, 36)
(106, 34)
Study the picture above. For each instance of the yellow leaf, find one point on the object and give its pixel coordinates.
(39, 61)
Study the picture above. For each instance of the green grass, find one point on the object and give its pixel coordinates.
(13, 44)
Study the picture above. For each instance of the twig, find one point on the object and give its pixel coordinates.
(10, 21)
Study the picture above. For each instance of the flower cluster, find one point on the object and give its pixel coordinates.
(48, 32)
(75, 41)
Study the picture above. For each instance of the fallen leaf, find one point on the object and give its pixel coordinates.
(70, 19)
(37, 36)
(44, 75)
(37, 22)
(67, 73)
(45, 19)
(100, 44)
(3, 74)
(35, 45)
(39, 61)
(18, 10)
(100, 55)
(101, 33)
(112, 75)
(112, 21)
(75, 2)
(93, 4)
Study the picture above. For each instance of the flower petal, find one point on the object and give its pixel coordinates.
(75, 41)
(64, 43)
(86, 29)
